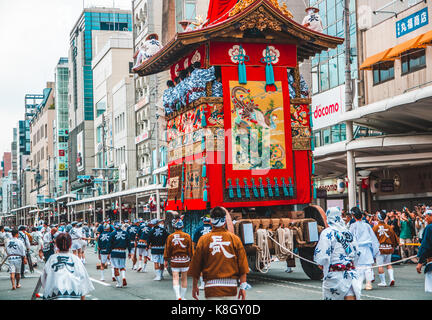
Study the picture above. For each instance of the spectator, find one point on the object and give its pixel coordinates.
(392, 221)
(406, 234)
(420, 225)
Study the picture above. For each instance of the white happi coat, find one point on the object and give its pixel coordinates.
(65, 278)
(367, 242)
(337, 246)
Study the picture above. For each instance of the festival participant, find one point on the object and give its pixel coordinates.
(118, 243)
(2, 242)
(142, 246)
(22, 235)
(76, 239)
(83, 240)
(150, 46)
(64, 276)
(198, 80)
(425, 252)
(313, 20)
(16, 251)
(336, 253)
(168, 97)
(221, 258)
(132, 232)
(178, 251)
(182, 89)
(199, 232)
(37, 242)
(217, 87)
(388, 242)
(103, 243)
(156, 242)
(48, 243)
(368, 246)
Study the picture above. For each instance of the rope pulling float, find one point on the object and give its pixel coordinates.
(263, 256)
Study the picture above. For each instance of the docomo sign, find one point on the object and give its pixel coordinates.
(327, 107)
(321, 112)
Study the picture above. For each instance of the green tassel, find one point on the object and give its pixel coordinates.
(276, 186)
(291, 189)
(261, 188)
(239, 195)
(284, 187)
(314, 191)
(203, 119)
(183, 173)
(270, 191)
(313, 167)
(230, 189)
(182, 196)
(205, 196)
(254, 188)
(204, 169)
(203, 143)
(246, 188)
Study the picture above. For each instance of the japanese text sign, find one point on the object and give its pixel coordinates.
(412, 22)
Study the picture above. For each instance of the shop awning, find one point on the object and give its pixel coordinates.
(370, 61)
(396, 51)
(426, 38)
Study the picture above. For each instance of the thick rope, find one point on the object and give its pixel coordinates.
(285, 236)
(358, 268)
(263, 255)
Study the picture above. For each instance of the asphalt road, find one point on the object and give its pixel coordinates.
(274, 285)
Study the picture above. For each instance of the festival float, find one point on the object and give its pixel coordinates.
(250, 149)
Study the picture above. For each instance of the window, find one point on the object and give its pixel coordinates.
(324, 76)
(413, 60)
(100, 106)
(190, 10)
(383, 71)
(326, 136)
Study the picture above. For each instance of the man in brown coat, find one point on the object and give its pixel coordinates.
(221, 257)
(179, 251)
(388, 241)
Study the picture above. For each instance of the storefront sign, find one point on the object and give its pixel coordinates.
(387, 185)
(412, 22)
(143, 136)
(327, 107)
(329, 187)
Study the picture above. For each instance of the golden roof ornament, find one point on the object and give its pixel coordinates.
(243, 4)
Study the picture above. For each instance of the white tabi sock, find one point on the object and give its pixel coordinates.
(119, 282)
(112, 272)
(140, 264)
(391, 274)
(177, 291)
(183, 292)
(144, 267)
(382, 277)
(102, 275)
(123, 274)
(369, 275)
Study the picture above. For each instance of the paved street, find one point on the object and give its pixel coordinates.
(274, 285)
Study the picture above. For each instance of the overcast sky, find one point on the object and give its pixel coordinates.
(34, 34)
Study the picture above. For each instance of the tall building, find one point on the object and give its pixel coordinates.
(61, 127)
(111, 64)
(6, 164)
(391, 99)
(81, 150)
(41, 155)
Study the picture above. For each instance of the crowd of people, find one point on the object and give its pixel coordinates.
(352, 244)
(221, 267)
(355, 241)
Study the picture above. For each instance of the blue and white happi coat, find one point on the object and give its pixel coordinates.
(217, 89)
(119, 242)
(168, 100)
(336, 245)
(196, 84)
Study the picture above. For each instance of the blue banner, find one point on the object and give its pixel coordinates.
(412, 22)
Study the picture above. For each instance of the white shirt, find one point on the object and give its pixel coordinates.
(65, 278)
(15, 246)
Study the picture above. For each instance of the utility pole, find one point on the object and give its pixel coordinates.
(348, 107)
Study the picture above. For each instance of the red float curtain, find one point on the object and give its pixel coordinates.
(218, 9)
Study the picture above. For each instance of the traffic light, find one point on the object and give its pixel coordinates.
(86, 179)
